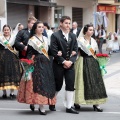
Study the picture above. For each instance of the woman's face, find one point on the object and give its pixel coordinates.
(20, 27)
(6, 31)
(40, 28)
(90, 31)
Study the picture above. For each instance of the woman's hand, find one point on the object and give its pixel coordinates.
(33, 56)
(73, 53)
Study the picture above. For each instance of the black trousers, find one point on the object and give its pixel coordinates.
(60, 73)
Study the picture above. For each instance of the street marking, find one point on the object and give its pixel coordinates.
(111, 112)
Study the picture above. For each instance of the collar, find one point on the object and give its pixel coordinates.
(65, 34)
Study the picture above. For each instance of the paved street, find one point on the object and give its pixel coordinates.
(12, 110)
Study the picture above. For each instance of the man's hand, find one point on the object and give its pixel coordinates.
(73, 53)
(21, 43)
(67, 64)
(25, 48)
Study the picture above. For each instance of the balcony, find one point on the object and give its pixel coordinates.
(109, 2)
(34, 2)
(106, 1)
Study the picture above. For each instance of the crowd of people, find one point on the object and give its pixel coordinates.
(55, 56)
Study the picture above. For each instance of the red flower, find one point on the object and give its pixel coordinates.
(102, 55)
(29, 62)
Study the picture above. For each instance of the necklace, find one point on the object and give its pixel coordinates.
(7, 38)
(89, 41)
(40, 39)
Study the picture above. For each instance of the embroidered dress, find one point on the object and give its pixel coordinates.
(10, 69)
(40, 89)
(89, 85)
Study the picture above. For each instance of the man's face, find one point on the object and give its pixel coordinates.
(65, 25)
(31, 23)
(74, 25)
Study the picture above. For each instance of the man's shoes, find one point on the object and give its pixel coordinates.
(52, 107)
(77, 106)
(71, 110)
(4, 96)
(42, 113)
(32, 107)
(12, 96)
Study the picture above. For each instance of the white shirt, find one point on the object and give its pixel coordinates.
(75, 31)
(104, 34)
(66, 35)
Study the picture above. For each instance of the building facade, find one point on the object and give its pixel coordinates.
(18, 11)
(3, 13)
(112, 9)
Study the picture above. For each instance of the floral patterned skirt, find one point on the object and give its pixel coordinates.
(40, 89)
(27, 95)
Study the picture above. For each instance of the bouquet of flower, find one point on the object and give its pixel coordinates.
(102, 60)
(28, 68)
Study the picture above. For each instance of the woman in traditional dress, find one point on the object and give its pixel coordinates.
(40, 89)
(110, 39)
(115, 47)
(10, 74)
(89, 85)
(18, 27)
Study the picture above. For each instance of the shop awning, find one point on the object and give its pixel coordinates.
(109, 9)
(33, 2)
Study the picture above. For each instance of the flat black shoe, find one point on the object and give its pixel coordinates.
(52, 107)
(42, 113)
(77, 106)
(97, 109)
(12, 96)
(4, 96)
(32, 107)
(71, 110)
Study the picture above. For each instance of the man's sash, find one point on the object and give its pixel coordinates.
(38, 46)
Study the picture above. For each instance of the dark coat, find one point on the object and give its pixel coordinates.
(59, 43)
(78, 31)
(22, 36)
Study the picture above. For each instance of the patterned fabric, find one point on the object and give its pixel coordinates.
(27, 95)
(41, 88)
(43, 78)
(10, 70)
(89, 83)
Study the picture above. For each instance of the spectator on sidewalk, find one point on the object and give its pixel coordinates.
(75, 29)
(109, 46)
(115, 43)
(101, 37)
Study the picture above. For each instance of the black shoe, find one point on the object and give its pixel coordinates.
(71, 110)
(97, 109)
(12, 96)
(52, 107)
(32, 107)
(4, 96)
(77, 106)
(42, 113)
